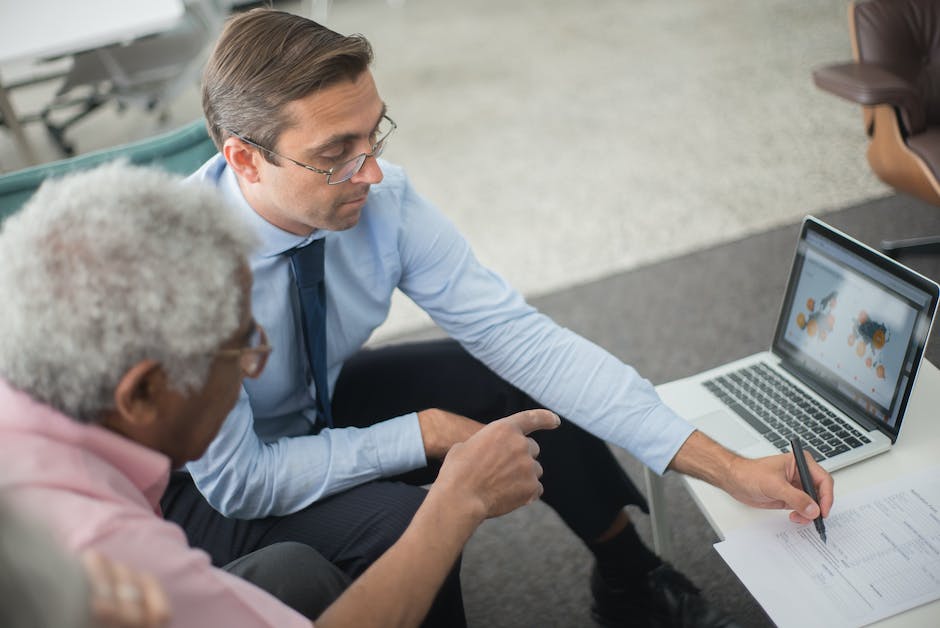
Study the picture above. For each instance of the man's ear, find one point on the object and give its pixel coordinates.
(139, 393)
(241, 158)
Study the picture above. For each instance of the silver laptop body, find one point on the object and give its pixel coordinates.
(842, 365)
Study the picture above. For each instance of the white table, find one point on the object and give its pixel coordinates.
(917, 447)
(40, 29)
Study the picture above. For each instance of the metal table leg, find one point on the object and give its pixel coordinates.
(659, 518)
(13, 123)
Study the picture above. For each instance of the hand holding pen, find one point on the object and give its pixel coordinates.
(807, 481)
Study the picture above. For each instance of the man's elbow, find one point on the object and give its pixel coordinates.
(233, 502)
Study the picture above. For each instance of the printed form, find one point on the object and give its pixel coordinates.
(882, 558)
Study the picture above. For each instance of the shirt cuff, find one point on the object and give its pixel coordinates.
(664, 442)
(399, 444)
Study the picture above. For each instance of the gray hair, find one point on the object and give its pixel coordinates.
(104, 268)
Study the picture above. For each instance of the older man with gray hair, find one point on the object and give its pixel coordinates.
(127, 332)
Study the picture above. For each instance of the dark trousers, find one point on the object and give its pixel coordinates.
(582, 479)
(280, 569)
(350, 530)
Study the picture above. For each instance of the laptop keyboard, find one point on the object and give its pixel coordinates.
(777, 409)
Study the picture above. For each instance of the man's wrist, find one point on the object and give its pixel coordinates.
(428, 422)
(448, 505)
(701, 457)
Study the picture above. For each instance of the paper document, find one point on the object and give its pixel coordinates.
(882, 558)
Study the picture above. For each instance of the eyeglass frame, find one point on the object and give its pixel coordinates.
(262, 349)
(376, 152)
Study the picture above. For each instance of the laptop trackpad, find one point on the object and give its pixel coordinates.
(726, 430)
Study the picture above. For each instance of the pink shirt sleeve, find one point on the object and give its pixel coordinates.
(200, 594)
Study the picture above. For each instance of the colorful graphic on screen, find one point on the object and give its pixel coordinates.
(844, 324)
(869, 338)
(819, 321)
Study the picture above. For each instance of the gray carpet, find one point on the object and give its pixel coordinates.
(669, 320)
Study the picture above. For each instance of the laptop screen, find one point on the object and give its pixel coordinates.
(854, 325)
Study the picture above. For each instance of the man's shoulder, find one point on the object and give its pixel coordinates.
(396, 197)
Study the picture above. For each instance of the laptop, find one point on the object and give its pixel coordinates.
(842, 366)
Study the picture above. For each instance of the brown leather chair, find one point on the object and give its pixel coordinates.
(896, 79)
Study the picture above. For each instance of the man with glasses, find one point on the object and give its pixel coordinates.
(127, 333)
(326, 446)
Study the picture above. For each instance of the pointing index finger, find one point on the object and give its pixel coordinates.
(532, 420)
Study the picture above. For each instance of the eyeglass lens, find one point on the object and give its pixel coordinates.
(348, 169)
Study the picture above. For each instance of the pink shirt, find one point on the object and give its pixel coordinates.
(96, 489)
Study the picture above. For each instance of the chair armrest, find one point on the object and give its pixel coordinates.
(870, 84)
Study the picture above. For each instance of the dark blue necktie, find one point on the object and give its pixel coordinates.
(307, 263)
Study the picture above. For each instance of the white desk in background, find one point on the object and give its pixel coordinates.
(917, 448)
(42, 29)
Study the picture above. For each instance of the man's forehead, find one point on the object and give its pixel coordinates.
(347, 108)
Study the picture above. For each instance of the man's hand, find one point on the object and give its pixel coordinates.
(492, 472)
(771, 482)
(122, 597)
(441, 430)
(495, 470)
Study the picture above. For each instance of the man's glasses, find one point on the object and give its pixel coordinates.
(252, 358)
(348, 169)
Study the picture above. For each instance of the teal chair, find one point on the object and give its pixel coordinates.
(181, 151)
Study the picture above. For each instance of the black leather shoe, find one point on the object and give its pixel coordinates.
(668, 599)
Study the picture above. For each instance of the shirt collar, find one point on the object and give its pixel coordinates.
(274, 241)
(147, 469)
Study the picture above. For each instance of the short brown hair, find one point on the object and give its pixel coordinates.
(265, 59)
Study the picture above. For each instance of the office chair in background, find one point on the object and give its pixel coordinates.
(181, 151)
(896, 78)
(148, 72)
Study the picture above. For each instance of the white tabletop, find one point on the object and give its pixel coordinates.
(917, 447)
(36, 29)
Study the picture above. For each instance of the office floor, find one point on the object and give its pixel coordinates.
(574, 140)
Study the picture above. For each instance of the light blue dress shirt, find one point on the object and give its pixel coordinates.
(265, 461)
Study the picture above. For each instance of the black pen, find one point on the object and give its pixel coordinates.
(807, 480)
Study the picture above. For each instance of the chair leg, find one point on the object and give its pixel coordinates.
(56, 130)
(896, 248)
